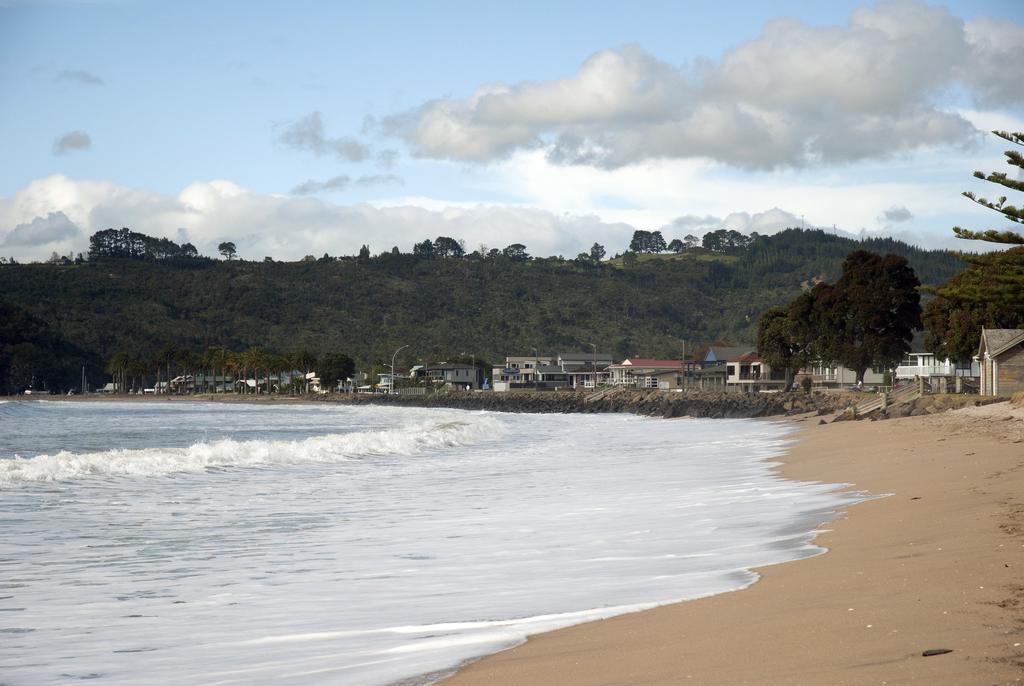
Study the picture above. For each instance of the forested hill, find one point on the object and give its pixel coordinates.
(442, 307)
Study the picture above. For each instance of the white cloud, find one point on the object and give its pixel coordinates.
(209, 212)
(795, 95)
(772, 221)
(657, 194)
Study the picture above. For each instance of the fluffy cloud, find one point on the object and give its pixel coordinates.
(995, 56)
(795, 95)
(691, 223)
(308, 134)
(54, 228)
(80, 76)
(769, 222)
(286, 227)
(72, 140)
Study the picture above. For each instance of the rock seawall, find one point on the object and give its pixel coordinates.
(651, 403)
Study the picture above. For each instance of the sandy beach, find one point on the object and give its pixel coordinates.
(937, 563)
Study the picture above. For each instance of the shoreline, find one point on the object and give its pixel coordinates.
(934, 565)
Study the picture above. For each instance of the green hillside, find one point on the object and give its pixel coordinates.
(487, 306)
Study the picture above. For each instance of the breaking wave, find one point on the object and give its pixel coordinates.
(407, 440)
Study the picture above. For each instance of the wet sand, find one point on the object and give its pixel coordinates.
(936, 564)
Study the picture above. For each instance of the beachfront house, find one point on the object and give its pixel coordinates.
(520, 371)
(386, 382)
(713, 374)
(564, 370)
(750, 374)
(646, 372)
(1001, 360)
(836, 376)
(921, 364)
(457, 375)
(582, 369)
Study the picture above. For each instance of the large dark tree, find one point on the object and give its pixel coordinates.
(228, 250)
(335, 367)
(869, 317)
(647, 242)
(516, 251)
(424, 249)
(447, 247)
(725, 241)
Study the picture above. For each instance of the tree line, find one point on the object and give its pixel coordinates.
(124, 243)
(213, 369)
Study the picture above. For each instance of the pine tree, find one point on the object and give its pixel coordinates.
(990, 291)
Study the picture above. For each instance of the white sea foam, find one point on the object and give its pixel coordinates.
(406, 440)
(361, 545)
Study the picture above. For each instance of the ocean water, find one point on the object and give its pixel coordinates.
(201, 543)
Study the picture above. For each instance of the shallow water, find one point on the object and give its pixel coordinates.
(155, 543)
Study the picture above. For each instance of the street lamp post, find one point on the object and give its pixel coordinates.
(391, 386)
(594, 363)
(536, 371)
(476, 376)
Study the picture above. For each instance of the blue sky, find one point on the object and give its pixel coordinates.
(299, 128)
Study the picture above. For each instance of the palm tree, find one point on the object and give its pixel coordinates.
(255, 359)
(233, 363)
(162, 359)
(137, 368)
(186, 361)
(221, 359)
(117, 368)
(304, 360)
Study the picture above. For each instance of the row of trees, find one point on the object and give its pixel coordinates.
(865, 320)
(718, 241)
(215, 368)
(126, 243)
